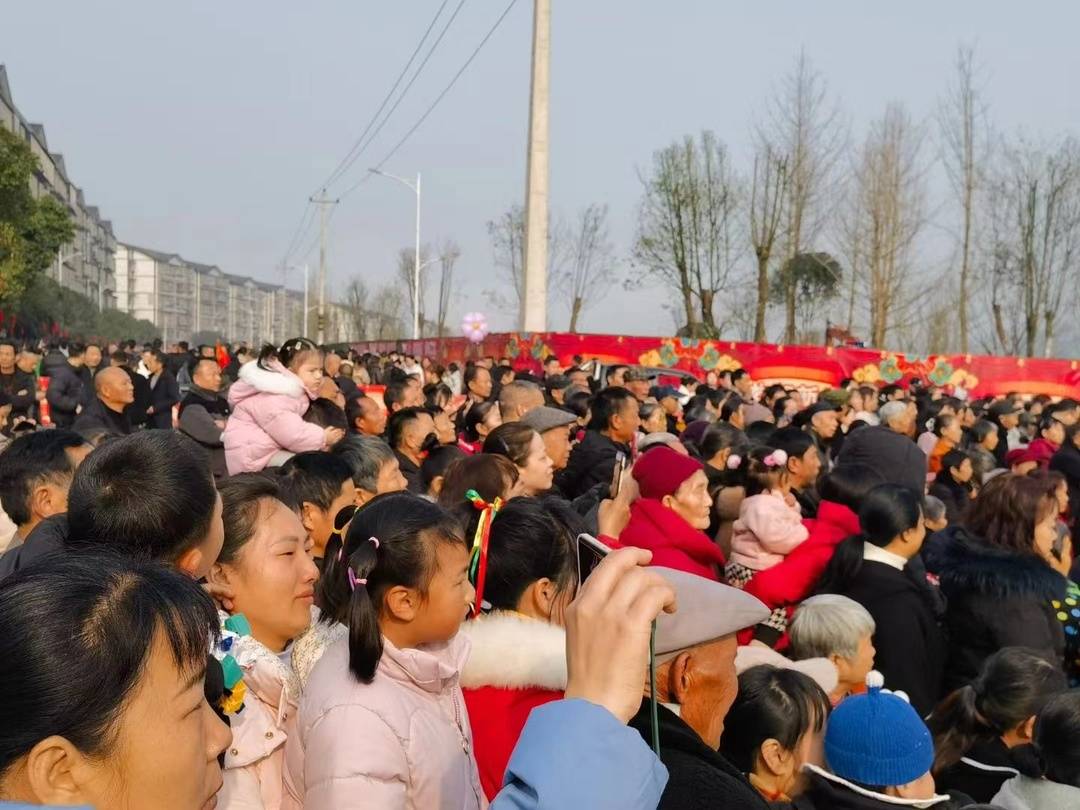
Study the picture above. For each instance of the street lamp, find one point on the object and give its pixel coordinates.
(416, 266)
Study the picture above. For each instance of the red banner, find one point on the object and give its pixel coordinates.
(807, 366)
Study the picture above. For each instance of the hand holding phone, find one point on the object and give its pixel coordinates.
(617, 475)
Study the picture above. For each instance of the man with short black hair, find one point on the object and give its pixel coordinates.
(803, 466)
(35, 474)
(318, 485)
(517, 398)
(375, 468)
(364, 416)
(164, 391)
(552, 366)
(616, 376)
(411, 434)
(66, 388)
(402, 393)
(743, 384)
(203, 413)
(615, 420)
(16, 383)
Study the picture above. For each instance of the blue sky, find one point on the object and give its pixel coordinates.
(201, 127)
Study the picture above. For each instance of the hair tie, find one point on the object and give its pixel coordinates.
(733, 461)
(478, 557)
(777, 458)
(354, 580)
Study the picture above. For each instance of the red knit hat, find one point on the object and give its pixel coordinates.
(661, 471)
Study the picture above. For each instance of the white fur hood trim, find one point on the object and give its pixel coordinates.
(278, 381)
(514, 651)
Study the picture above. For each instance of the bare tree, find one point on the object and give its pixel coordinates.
(507, 234)
(768, 191)
(1035, 206)
(588, 262)
(407, 273)
(356, 299)
(887, 211)
(688, 226)
(962, 119)
(448, 256)
(386, 310)
(809, 131)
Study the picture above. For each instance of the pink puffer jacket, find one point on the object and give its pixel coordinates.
(255, 761)
(267, 417)
(767, 531)
(402, 742)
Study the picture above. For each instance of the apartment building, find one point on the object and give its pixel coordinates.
(86, 265)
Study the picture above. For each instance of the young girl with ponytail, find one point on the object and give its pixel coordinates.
(269, 401)
(382, 722)
(976, 727)
(1050, 766)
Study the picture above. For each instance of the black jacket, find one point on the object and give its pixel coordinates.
(65, 394)
(136, 411)
(96, 416)
(987, 768)
(592, 462)
(1067, 462)
(198, 412)
(698, 776)
(411, 472)
(47, 538)
(22, 388)
(996, 598)
(347, 386)
(827, 794)
(163, 395)
(896, 457)
(955, 496)
(909, 643)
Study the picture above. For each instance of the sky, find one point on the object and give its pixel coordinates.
(202, 127)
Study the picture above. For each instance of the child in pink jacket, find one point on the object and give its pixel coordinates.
(268, 402)
(770, 523)
(382, 721)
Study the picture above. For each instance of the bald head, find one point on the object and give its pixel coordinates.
(519, 397)
(114, 388)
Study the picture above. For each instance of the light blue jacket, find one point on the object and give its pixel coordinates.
(575, 754)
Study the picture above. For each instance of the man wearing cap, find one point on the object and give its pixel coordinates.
(696, 683)
(821, 423)
(888, 449)
(553, 425)
(637, 383)
(668, 397)
(1006, 415)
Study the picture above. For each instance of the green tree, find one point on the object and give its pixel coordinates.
(31, 231)
(814, 278)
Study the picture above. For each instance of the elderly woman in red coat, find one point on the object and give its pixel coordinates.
(670, 517)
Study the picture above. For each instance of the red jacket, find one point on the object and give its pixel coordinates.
(673, 542)
(790, 581)
(515, 664)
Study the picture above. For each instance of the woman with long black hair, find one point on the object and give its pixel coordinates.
(870, 568)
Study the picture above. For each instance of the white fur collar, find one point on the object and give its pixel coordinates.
(278, 381)
(514, 651)
(881, 797)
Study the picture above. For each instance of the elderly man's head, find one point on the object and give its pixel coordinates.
(695, 650)
(896, 416)
(375, 468)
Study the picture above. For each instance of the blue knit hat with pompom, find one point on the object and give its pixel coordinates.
(878, 739)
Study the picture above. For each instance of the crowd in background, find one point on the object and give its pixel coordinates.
(297, 577)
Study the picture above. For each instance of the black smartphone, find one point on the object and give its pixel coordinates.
(616, 477)
(590, 552)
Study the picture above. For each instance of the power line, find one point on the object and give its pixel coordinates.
(338, 169)
(436, 102)
(404, 92)
(297, 234)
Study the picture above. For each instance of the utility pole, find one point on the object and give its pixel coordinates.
(322, 201)
(534, 300)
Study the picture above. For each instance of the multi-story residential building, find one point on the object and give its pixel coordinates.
(86, 265)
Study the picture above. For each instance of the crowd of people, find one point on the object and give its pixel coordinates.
(306, 578)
